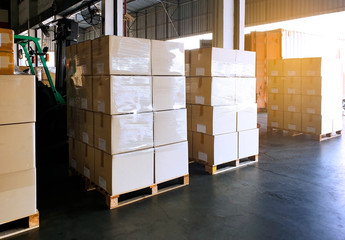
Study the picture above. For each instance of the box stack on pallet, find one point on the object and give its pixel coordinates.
(222, 109)
(305, 96)
(17, 143)
(137, 123)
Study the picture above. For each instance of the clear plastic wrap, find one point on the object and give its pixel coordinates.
(121, 56)
(170, 127)
(213, 91)
(168, 58)
(171, 161)
(6, 63)
(245, 63)
(213, 120)
(245, 90)
(123, 133)
(215, 150)
(124, 172)
(246, 117)
(169, 93)
(17, 99)
(17, 147)
(6, 40)
(122, 94)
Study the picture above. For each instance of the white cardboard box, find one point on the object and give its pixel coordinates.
(245, 90)
(171, 161)
(169, 93)
(170, 127)
(246, 117)
(121, 173)
(245, 61)
(168, 58)
(248, 143)
(17, 195)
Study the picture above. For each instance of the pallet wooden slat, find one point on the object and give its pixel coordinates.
(19, 226)
(321, 137)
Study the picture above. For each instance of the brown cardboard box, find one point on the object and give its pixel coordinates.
(87, 160)
(275, 85)
(292, 67)
(84, 57)
(86, 131)
(17, 99)
(6, 63)
(17, 147)
(213, 91)
(126, 172)
(275, 68)
(293, 121)
(317, 105)
(189, 117)
(123, 133)
(190, 144)
(292, 85)
(275, 119)
(187, 63)
(122, 94)
(216, 62)
(72, 123)
(316, 124)
(213, 120)
(311, 67)
(292, 103)
(170, 127)
(275, 102)
(189, 90)
(314, 86)
(168, 58)
(121, 56)
(215, 150)
(6, 40)
(17, 195)
(79, 92)
(74, 156)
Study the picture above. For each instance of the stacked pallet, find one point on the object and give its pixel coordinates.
(222, 119)
(17, 138)
(305, 96)
(133, 134)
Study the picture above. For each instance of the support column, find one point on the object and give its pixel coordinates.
(228, 24)
(112, 14)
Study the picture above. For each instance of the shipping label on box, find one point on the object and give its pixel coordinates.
(215, 150)
(126, 172)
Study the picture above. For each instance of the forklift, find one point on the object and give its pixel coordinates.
(51, 123)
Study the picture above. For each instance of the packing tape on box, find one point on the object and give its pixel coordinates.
(202, 138)
(201, 110)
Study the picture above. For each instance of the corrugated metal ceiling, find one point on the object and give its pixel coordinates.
(136, 5)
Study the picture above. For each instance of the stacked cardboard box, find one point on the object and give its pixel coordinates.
(134, 126)
(17, 142)
(222, 113)
(6, 52)
(305, 95)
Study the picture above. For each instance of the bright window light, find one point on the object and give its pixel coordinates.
(193, 42)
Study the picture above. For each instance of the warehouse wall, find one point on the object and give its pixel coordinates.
(269, 11)
(188, 17)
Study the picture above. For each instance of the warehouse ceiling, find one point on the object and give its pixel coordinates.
(137, 5)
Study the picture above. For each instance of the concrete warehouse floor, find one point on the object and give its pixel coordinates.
(296, 191)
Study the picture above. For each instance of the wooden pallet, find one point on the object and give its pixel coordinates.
(229, 166)
(116, 201)
(293, 133)
(143, 193)
(20, 225)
